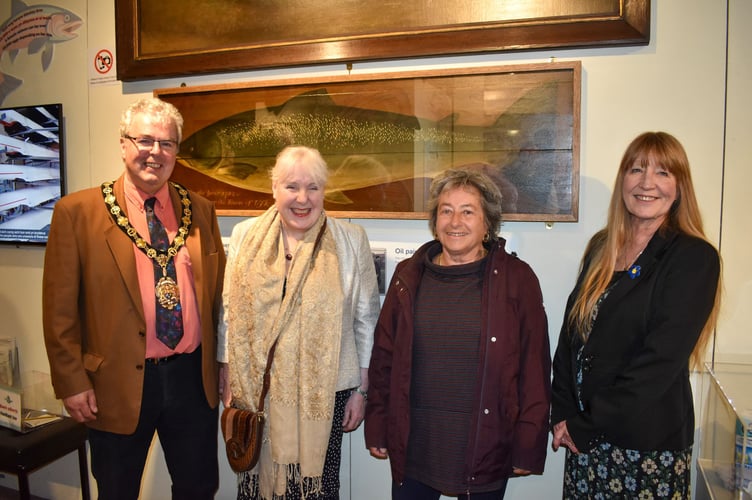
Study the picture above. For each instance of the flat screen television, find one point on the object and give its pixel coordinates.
(32, 171)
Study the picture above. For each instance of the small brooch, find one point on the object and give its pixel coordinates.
(634, 271)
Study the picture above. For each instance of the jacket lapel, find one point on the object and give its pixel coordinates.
(122, 251)
(192, 244)
(647, 261)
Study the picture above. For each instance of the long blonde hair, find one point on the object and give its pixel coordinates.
(603, 249)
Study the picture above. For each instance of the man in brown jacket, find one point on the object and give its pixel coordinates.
(131, 295)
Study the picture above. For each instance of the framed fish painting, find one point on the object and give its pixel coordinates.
(183, 37)
(385, 136)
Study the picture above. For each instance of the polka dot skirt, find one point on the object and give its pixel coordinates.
(330, 478)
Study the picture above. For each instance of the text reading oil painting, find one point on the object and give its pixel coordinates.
(385, 137)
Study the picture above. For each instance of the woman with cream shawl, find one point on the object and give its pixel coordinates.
(308, 282)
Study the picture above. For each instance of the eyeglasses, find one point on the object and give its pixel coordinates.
(147, 144)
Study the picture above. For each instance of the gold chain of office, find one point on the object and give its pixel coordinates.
(166, 289)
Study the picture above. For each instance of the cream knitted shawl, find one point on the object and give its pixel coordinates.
(308, 321)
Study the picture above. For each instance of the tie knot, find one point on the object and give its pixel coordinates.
(149, 203)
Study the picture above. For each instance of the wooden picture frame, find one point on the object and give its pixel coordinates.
(386, 135)
(183, 37)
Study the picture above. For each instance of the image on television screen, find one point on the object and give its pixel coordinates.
(31, 171)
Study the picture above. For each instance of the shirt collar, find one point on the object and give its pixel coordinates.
(137, 197)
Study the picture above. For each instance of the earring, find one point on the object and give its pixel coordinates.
(486, 238)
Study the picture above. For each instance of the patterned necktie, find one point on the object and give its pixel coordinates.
(169, 321)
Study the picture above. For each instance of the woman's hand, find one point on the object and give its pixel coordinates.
(225, 393)
(562, 438)
(355, 411)
(378, 452)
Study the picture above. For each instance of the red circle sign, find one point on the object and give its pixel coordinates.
(103, 61)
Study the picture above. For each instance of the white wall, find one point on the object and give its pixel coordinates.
(734, 342)
(677, 83)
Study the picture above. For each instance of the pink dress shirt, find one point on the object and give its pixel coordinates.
(145, 267)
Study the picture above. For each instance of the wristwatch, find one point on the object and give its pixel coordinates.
(361, 392)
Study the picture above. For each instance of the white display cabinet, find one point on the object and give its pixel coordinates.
(724, 459)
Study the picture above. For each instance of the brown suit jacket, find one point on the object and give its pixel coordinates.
(94, 325)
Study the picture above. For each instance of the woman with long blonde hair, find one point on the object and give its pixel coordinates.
(642, 312)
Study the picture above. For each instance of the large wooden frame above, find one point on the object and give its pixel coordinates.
(183, 37)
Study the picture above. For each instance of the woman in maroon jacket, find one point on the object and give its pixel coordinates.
(460, 370)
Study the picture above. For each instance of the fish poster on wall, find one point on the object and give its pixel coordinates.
(385, 139)
(35, 29)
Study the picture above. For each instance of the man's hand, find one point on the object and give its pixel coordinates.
(82, 407)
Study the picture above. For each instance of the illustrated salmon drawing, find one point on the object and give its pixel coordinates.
(37, 29)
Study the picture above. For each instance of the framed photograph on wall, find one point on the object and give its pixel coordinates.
(386, 135)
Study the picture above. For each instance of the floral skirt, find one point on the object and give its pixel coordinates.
(608, 471)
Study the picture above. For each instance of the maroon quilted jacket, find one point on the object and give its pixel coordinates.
(510, 421)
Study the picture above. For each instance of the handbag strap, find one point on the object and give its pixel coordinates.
(267, 376)
(265, 389)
